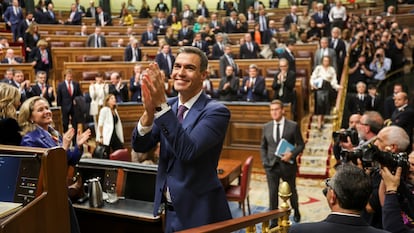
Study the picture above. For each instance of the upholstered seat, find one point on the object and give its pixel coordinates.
(240, 193)
(105, 58)
(57, 44)
(89, 75)
(77, 44)
(61, 32)
(121, 155)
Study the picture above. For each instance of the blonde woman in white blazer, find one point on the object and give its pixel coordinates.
(110, 131)
(97, 92)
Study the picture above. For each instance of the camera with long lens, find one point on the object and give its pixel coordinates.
(342, 136)
(369, 154)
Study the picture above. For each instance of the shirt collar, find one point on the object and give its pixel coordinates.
(281, 122)
(191, 101)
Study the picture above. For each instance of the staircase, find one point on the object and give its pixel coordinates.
(315, 159)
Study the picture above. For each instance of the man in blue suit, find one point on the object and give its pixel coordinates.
(191, 129)
(13, 17)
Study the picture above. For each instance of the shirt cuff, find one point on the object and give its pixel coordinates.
(162, 112)
(142, 130)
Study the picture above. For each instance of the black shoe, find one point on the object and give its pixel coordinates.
(296, 217)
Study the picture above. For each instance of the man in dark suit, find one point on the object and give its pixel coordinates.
(20, 83)
(322, 20)
(231, 23)
(262, 20)
(284, 83)
(25, 23)
(187, 167)
(66, 93)
(292, 17)
(185, 34)
(149, 37)
(41, 88)
(200, 43)
(375, 101)
(403, 114)
(358, 102)
(165, 60)
(135, 84)
(91, 11)
(75, 17)
(9, 58)
(96, 40)
(229, 85)
(347, 193)
(215, 24)
(227, 60)
(8, 76)
(132, 52)
(13, 17)
(282, 166)
(288, 55)
(270, 33)
(218, 47)
(253, 86)
(117, 88)
(250, 49)
(389, 105)
(102, 18)
(336, 43)
(323, 51)
(50, 15)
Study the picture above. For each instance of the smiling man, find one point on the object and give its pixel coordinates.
(191, 129)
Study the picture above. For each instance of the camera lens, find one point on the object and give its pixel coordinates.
(378, 55)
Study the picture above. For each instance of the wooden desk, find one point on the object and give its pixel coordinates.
(231, 170)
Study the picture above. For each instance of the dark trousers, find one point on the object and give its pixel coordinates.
(114, 144)
(286, 172)
(172, 223)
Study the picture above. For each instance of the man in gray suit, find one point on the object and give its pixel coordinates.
(96, 40)
(283, 166)
(324, 50)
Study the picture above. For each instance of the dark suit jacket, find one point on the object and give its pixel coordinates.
(91, 42)
(204, 47)
(189, 159)
(128, 54)
(49, 19)
(77, 19)
(378, 104)
(224, 62)
(36, 55)
(258, 89)
(318, 58)
(121, 95)
(145, 38)
(41, 138)
(288, 87)
(230, 28)
(163, 64)
(355, 105)
(88, 12)
(12, 137)
(391, 215)
(291, 133)
(37, 91)
(245, 53)
(231, 92)
(189, 36)
(30, 41)
(206, 12)
(64, 100)
(268, 35)
(404, 119)
(336, 223)
(17, 59)
(107, 19)
(289, 20)
(340, 50)
(217, 52)
(135, 90)
(389, 107)
(9, 16)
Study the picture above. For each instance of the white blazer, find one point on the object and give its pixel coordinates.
(106, 120)
(97, 93)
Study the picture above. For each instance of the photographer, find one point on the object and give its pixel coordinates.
(359, 71)
(352, 122)
(392, 216)
(380, 65)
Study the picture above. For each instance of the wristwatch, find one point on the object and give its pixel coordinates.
(162, 107)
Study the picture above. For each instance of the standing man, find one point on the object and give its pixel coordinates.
(66, 93)
(403, 114)
(281, 167)
(118, 88)
(41, 88)
(347, 193)
(96, 40)
(132, 52)
(13, 17)
(165, 60)
(191, 130)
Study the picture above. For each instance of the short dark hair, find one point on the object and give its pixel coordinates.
(197, 51)
(352, 187)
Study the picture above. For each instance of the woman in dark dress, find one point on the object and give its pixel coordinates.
(9, 101)
(31, 37)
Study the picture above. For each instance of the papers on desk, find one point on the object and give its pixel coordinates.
(7, 208)
(283, 147)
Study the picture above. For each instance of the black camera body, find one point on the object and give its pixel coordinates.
(342, 136)
(369, 154)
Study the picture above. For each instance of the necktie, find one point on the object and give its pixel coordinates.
(69, 88)
(51, 15)
(149, 36)
(97, 41)
(277, 132)
(185, 31)
(181, 111)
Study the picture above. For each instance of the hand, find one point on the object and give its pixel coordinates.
(67, 138)
(226, 85)
(287, 157)
(391, 181)
(82, 137)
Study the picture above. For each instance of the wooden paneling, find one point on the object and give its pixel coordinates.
(27, 69)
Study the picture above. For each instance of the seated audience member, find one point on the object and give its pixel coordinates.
(149, 37)
(200, 24)
(200, 43)
(127, 19)
(380, 65)
(102, 18)
(42, 89)
(218, 47)
(21, 84)
(358, 102)
(227, 60)
(394, 185)
(253, 86)
(75, 17)
(8, 76)
(161, 6)
(250, 49)
(185, 34)
(403, 115)
(97, 39)
(165, 60)
(10, 58)
(207, 84)
(135, 84)
(118, 88)
(144, 12)
(9, 101)
(170, 37)
(132, 52)
(389, 106)
(347, 193)
(229, 85)
(91, 10)
(291, 18)
(160, 23)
